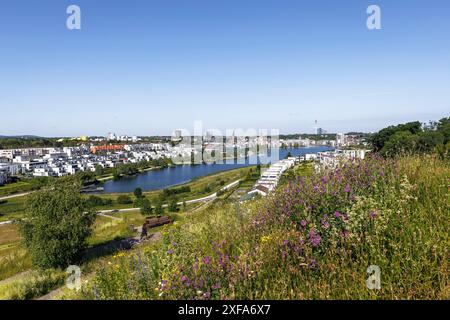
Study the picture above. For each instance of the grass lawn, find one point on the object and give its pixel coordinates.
(12, 208)
(17, 187)
(23, 185)
(13, 257)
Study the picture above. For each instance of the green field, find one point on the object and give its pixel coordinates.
(11, 209)
(24, 185)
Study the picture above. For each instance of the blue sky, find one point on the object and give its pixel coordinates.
(148, 67)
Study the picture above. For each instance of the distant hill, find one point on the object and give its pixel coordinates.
(21, 137)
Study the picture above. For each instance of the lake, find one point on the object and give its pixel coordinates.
(169, 177)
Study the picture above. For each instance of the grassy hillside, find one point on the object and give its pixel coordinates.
(313, 239)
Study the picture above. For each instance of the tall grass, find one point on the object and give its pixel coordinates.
(313, 239)
(32, 285)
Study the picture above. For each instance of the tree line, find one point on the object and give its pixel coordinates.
(127, 169)
(413, 138)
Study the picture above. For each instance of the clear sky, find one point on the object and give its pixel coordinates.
(147, 67)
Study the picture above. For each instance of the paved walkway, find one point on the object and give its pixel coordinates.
(15, 196)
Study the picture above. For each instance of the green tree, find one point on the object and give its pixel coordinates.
(138, 193)
(428, 141)
(146, 207)
(379, 139)
(99, 170)
(159, 210)
(56, 224)
(402, 142)
(173, 206)
(116, 175)
(444, 128)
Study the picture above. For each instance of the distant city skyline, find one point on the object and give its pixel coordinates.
(148, 67)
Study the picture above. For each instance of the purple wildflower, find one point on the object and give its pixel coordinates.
(337, 214)
(347, 189)
(312, 263)
(314, 238)
(206, 260)
(207, 295)
(303, 223)
(325, 223)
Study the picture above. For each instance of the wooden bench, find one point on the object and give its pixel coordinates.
(156, 222)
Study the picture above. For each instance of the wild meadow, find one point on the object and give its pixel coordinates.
(313, 239)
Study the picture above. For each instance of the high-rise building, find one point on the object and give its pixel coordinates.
(177, 135)
(111, 136)
(340, 139)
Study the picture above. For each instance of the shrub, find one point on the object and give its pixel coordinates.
(123, 199)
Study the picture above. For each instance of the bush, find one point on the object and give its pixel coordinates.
(123, 199)
(175, 191)
(95, 201)
(207, 189)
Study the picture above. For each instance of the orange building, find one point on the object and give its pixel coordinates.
(115, 147)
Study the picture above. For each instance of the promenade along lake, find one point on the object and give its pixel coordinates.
(168, 177)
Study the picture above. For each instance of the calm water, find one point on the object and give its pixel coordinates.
(168, 177)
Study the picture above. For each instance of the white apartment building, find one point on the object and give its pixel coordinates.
(43, 172)
(3, 177)
(11, 169)
(270, 177)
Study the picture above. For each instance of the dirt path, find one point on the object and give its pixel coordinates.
(14, 277)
